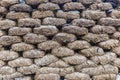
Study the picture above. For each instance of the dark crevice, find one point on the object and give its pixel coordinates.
(62, 78)
(21, 1)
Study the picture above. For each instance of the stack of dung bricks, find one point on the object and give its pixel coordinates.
(59, 40)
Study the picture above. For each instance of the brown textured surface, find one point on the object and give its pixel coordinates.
(59, 40)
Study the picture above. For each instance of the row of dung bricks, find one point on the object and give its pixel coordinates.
(59, 22)
(70, 65)
(12, 9)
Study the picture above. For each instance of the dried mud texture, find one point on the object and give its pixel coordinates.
(59, 40)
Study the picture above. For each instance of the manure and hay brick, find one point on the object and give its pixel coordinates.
(6, 24)
(75, 59)
(77, 76)
(54, 21)
(48, 45)
(19, 31)
(101, 6)
(101, 69)
(87, 2)
(64, 38)
(12, 76)
(104, 6)
(46, 60)
(8, 55)
(65, 71)
(109, 44)
(105, 77)
(68, 15)
(35, 2)
(46, 30)
(29, 22)
(75, 30)
(73, 6)
(78, 44)
(42, 14)
(98, 29)
(62, 52)
(33, 54)
(104, 59)
(28, 69)
(6, 70)
(95, 38)
(50, 76)
(61, 1)
(17, 15)
(21, 8)
(9, 40)
(93, 14)
(7, 3)
(34, 38)
(86, 64)
(22, 47)
(24, 78)
(59, 64)
(60, 71)
(48, 70)
(93, 51)
(48, 6)
(109, 21)
(20, 62)
(83, 22)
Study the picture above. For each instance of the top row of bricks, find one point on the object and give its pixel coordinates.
(6, 3)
